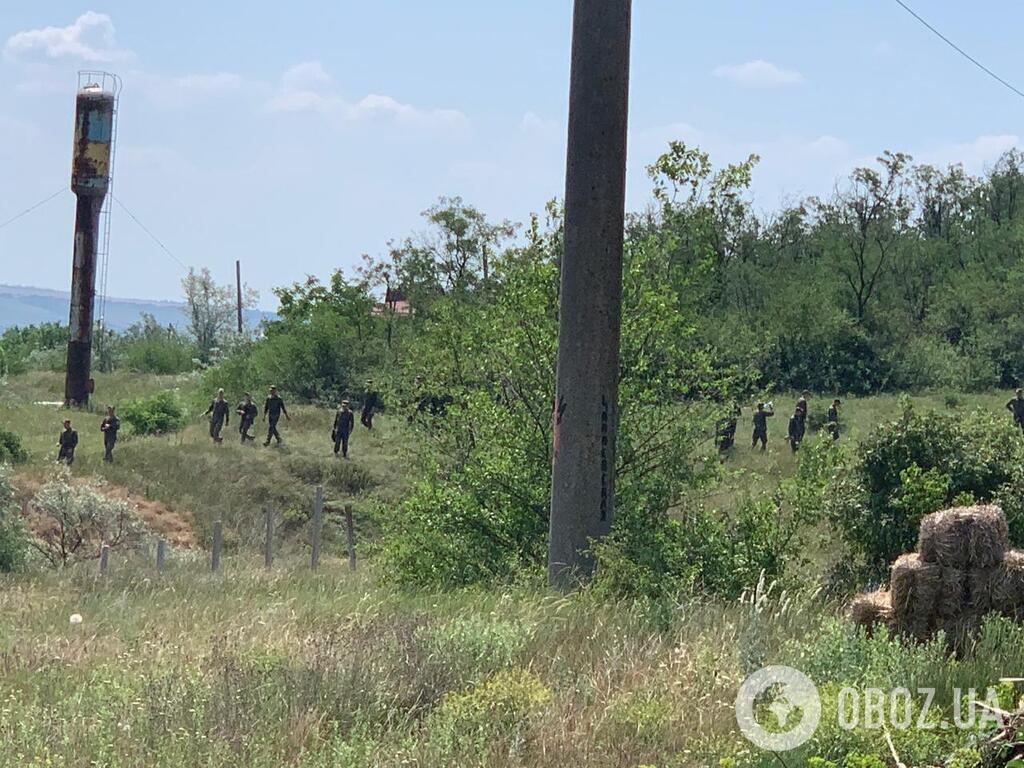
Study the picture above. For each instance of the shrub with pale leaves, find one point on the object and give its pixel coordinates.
(75, 519)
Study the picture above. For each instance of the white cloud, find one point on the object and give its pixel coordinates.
(91, 38)
(828, 146)
(304, 101)
(307, 87)
(791, 166)
(309, 75)
(177, 92)
(375, 105)
(216, 83)
(976, 155)
(758, 74)
(533, 124)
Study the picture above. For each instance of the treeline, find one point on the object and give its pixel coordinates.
(209, 336)
(145, 347)
(906, 278)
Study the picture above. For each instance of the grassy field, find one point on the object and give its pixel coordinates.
(187, 477)
(193, 477)
(289, 668)
(261, 670)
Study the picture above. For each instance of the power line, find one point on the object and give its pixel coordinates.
(40, 204)
(960, 50)
(146, 230)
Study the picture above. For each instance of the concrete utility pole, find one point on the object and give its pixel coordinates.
(586, 397)
(90, 180)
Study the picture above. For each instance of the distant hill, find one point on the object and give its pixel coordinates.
(27, 306)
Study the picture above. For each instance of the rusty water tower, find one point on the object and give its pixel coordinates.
(91, 168)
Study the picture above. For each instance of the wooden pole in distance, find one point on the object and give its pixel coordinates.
(350, 533)
(161, 554)
(238, 287)
(318, 525)
(268, 544)
(218, 542)
(104, 559)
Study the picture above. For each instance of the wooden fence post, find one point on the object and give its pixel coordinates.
(350, 533)
(318, 525)
(104, 559)
(268, 544)
(161, 554)
(218, 542)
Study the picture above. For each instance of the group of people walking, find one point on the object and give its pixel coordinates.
(219, 414)
(67, 442)
(725, 431)
(274, 408)
(798, 422)
(247, 412)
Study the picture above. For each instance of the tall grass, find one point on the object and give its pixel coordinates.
(204, 482)
(288, 668)
(257, 669)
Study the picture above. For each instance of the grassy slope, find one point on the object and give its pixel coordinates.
(288, 668)
(204, 482)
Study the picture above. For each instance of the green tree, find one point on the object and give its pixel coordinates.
(480, 511)
(863, 224)
(212, 311)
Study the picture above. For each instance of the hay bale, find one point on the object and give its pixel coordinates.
(964, 537)
(1008, 586)
(980, 584)
(952, 597)
(872, 609)
(915, 586)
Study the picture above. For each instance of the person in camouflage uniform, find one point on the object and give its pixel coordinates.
(272, 410)
(109, 427)
(218, 413)
(761, 416)
(832, 419)
(1016, 407)
(247, 413)
(67, 442)
(344, 423)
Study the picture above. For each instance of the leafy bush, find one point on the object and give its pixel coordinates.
(321, 347)
(32, 347)
(921, 492)
(830, 354)
(916, 464)
(928, 363)
(14, 541)
(148, 348)
(11, 450)
(493, 718)
(155, 415)
(79, 518)
(445, 533)
(480, 512)
(662, 556)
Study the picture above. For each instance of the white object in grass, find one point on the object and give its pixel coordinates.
(76, 618)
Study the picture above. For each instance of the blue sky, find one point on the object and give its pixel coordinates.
(298, 136)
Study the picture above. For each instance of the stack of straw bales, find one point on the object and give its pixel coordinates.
(963, 569)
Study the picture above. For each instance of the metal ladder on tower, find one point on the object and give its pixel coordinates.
(112, 83)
